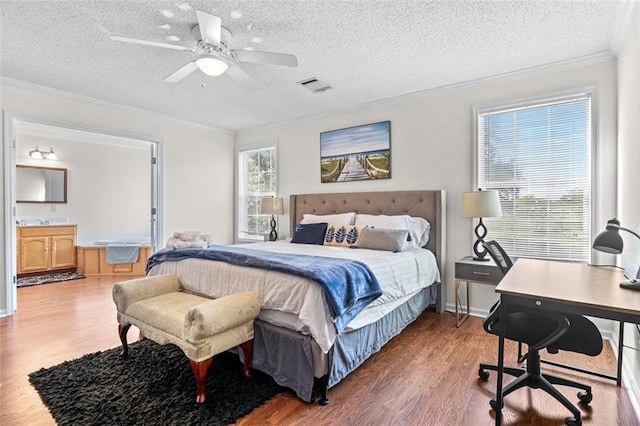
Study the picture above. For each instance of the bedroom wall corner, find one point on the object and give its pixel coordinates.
(628, 200)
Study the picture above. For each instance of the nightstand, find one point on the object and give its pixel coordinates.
(471, 271)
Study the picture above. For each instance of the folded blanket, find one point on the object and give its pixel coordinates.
(193, 239)
(175, 243)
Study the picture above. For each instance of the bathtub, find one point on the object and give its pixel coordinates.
(93, 260)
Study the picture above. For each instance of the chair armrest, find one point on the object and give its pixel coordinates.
(563, 328)
(126, 293)
(217, 315)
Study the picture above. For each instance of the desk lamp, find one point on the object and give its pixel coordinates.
(481, 204)
(272, 206)
(610, 241)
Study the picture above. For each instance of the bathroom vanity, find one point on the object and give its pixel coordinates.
(46, 248)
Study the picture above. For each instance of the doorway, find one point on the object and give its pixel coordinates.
(114, 185)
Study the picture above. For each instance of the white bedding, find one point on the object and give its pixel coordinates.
(298, 303)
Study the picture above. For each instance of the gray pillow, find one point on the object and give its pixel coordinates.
(383, 239)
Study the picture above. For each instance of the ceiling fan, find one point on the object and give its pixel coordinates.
(215, 57)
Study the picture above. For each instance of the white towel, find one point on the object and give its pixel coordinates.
(119, 254)
(175, 243)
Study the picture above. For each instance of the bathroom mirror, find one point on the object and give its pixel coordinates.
(41, 184)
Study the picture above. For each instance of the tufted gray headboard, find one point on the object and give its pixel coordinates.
(429, 204)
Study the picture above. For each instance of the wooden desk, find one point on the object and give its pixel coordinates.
(566, 287)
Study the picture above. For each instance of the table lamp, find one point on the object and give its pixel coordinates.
(610, 241)
(272, 206)
(481, 204)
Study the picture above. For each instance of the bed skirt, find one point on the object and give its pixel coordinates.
(287, 355)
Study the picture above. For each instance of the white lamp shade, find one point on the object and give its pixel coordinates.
(481, 204)
(272, 205)
(211, 66)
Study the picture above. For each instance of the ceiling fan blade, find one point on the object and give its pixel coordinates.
(209, 27)
(150, 43)
(240, 76)
(182, 72)
(259, 57)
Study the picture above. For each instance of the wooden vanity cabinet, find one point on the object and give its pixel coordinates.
(46, 248)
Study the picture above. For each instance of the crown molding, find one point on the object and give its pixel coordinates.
(452, 88)
(107, 104)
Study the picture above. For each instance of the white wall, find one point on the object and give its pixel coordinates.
(108, 186)
(628, 163)
(198, 161)
(432, 148)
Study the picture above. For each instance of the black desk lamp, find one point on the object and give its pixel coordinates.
(610, 241)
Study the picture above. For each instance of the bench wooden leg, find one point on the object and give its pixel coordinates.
(247, 348)
(122, 332)
(200, 372)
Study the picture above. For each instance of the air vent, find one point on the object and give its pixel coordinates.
(315, 85)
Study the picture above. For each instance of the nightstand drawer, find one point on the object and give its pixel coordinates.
(478, 272)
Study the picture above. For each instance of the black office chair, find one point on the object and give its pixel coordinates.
(499, 256)
(540, 329)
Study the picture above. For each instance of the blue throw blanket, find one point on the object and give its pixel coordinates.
(348, 284)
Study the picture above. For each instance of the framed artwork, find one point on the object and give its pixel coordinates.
(356, 153)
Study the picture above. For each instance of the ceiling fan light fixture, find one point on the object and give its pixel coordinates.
(212, 66)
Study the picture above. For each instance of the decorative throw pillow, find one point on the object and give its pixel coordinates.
(335, 219)
(312, 233)
(418, 227)
(343, 235)
(383, 239)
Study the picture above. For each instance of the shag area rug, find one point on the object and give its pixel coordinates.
(154, 385)
(49, 278)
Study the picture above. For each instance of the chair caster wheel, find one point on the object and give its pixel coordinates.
(484, 375)
(571, 421)
(585, 397)
(494, 405)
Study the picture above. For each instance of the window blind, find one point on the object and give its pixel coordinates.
(257, 171)
(538, 157)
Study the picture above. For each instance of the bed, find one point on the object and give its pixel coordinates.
(303, 342)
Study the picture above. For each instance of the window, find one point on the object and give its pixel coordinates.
(257, 172)
(538, 156)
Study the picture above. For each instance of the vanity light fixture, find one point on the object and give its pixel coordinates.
(43, 155)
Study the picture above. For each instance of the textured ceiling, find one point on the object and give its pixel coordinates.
(366, 50)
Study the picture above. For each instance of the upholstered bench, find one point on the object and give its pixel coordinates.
(200, 326)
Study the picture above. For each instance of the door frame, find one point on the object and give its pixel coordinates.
(10, 259)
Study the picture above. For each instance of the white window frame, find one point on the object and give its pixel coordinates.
(532, 103)
(241, 196)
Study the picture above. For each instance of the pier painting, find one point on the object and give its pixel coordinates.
(356, 153)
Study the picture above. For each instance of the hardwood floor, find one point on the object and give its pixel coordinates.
(425, 376)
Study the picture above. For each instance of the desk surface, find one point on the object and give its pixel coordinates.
(574, 283)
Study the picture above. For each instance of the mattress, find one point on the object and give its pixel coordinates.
(298, 303)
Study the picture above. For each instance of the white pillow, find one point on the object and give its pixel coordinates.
(341, 219)
(418, 227)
